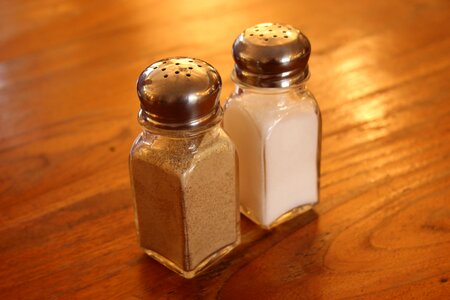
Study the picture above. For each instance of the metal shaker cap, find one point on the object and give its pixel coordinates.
(179, 93)
(271, 55)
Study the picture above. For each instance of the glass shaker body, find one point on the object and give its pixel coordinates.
(185, 187)
(183, 168)
(277, 135)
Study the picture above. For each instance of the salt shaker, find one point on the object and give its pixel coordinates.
(274, 121)
(183, 167)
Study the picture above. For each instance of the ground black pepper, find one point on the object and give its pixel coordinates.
(185, 191)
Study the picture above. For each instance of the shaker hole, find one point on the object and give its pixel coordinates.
(266, 40)
(177, 64)
(177, 72)
(275, 36)
(285, 36)
(190, 68)
(270, 29)
(188, 75)
(251, 34)
(155, 68)
(199, 66)
(163, 69)
(165, 76)
(261, 35)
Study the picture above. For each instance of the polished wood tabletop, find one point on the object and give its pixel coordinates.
(380, 71)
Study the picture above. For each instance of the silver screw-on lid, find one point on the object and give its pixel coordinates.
(179, 93)
(271, 55)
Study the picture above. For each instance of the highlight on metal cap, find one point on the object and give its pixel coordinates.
(271, 55)
(179, 93)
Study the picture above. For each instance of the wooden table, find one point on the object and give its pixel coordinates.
(381, 74)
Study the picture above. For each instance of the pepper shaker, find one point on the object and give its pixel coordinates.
(183, 167)
(275, 123)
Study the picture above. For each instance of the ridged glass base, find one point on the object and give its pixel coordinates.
(207, 262)
(283, 218)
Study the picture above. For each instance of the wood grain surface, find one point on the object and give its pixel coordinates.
(380, 72)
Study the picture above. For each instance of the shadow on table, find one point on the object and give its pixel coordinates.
(254, 243)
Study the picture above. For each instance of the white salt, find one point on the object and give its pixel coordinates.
(276, 136)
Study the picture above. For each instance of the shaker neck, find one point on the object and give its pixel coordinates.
(241, 88)
(149, 128)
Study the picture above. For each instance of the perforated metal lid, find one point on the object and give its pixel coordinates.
(271, 55)
(179, 93)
